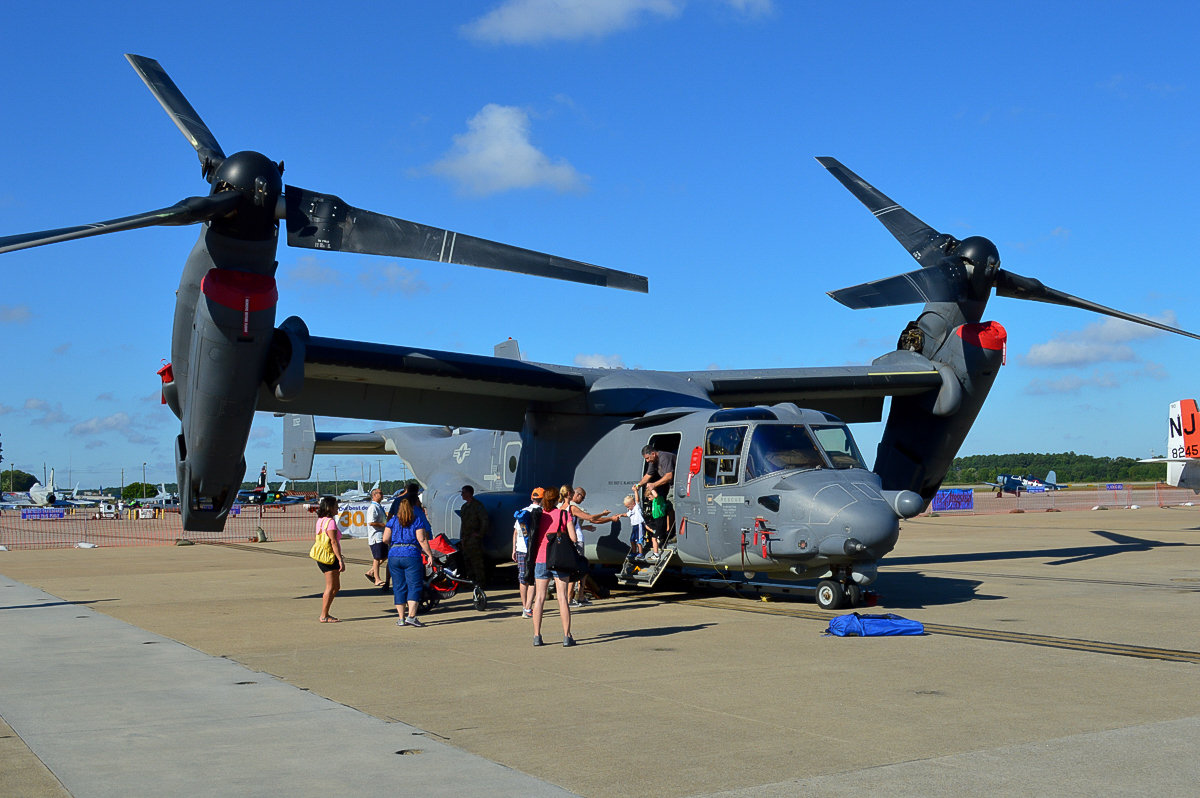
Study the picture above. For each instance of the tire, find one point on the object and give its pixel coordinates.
(854, 596)
(830, 595)
(429, 600)
(480, 600)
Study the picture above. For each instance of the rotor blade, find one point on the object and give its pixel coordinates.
(177, 107)
(323, 221)
(945, 282)
(913, 234)
(188, 211)
(1017, 287)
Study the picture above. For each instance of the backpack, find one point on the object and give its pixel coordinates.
(856, 625)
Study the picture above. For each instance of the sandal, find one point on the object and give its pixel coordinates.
(371, 579)
(328, 619)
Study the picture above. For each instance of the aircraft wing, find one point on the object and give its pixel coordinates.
(350, 379)
(852, 393)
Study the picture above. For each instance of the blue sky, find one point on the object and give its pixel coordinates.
(669, 138)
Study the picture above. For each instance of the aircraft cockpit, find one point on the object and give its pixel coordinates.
(735, 452)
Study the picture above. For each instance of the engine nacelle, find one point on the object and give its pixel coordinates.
(231, 336)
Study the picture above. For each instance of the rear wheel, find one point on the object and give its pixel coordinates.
(480, 600)
(830, 595)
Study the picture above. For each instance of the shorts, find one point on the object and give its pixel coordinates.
(327, 568)
(637, 535)
(658, 527)
(540, 571)
(521, 557)
(379, 551)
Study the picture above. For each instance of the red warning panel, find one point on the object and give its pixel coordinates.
(1191, 438)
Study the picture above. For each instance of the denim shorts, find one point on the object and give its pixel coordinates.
(540, 571)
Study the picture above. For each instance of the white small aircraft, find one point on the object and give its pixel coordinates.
(44, 496)
(1183, 446)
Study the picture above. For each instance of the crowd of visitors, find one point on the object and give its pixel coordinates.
(548, 544)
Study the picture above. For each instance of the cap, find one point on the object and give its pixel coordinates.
(537, 494)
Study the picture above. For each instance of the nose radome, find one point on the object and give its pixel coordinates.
(874, 524)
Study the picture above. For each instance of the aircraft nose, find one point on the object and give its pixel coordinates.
(869, 528)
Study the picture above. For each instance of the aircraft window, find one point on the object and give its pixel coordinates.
(839, 447)
(781, 447)
(723, 455)
(512, 464)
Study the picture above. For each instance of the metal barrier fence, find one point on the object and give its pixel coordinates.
(1160, 495)
(159, 528)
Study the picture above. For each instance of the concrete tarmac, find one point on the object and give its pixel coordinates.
(1064, 661)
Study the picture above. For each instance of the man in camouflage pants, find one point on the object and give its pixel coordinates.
(474, 529)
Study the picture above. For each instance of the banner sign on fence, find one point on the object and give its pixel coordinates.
(1035, 489)
(352, 519)
(1115, 486)
(953, 499)
(43, 514)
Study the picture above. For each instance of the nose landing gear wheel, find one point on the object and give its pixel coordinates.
(830, 595)
(480, 600)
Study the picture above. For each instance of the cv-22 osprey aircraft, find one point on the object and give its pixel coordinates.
(791, 496)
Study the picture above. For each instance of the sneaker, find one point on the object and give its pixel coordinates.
(414, 622)
(585, 602)
(526, 613)
(652, 557)
(401, 622)
(568, 641)
(574, 604)
(537, 640)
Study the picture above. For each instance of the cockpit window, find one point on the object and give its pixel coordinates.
(723, 455)
(781, 447)
(839, 447)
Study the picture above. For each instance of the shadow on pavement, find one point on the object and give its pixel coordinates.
(634, 634)
(1121, 544)
(903, 590)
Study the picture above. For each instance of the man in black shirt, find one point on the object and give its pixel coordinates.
(660, 475)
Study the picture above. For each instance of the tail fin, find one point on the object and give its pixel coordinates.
(1051, 478)
(299, 446)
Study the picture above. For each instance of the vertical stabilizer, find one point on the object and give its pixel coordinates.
(1051, 478)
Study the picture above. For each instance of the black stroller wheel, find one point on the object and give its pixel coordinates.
(429, 600)
(480, 600)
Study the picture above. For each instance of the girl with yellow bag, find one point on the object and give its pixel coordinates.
(327, 551)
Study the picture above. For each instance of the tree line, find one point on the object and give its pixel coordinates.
(1068, 467)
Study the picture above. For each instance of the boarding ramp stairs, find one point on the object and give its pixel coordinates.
(637, 571)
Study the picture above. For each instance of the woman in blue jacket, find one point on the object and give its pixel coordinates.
(407, 535)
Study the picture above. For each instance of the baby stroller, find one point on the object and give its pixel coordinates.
(441, 577)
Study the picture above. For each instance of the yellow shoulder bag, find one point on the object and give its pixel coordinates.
(322, 549)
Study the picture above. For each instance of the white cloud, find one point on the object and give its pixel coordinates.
(51, 413)
(1100, 342)
(62, 349)
(5, 409)
(1073, 383)
(752, 8)
(600, 361)
(120, 422)
(392, 279)
(107, 396)
(15, 314)
(533, 21)
(495, 154)
(93, 444)
(312, 271)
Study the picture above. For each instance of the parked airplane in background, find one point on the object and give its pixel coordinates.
(161, 499)
(44, 496)
(1183, 446)
(1009, 483)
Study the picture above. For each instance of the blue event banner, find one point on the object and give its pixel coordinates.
(953, 499)
(43, 514)
(1115, 486)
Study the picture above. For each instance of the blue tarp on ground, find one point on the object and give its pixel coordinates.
(855, 625)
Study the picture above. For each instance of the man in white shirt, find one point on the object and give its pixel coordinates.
(376, 521)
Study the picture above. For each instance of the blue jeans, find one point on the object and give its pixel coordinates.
(408, 577)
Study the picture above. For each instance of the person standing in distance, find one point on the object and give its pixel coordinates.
(553, 521)
(375, 524)
(327, 510)
(474, 528)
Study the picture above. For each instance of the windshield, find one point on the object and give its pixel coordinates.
(781, 447)
(839, 447)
